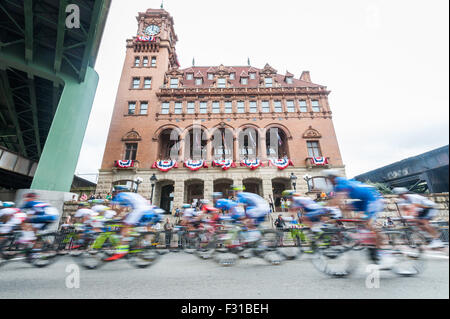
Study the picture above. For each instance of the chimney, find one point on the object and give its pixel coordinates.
(305, 76)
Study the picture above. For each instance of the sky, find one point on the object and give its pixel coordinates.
(385, 62)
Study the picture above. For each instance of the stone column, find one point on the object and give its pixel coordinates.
(262, 148)
(208, 187)
(267, 187)
(178, 193)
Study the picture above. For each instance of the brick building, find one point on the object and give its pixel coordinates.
(166, 116)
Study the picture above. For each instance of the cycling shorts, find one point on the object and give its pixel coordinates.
(369, 208)
(427, 213)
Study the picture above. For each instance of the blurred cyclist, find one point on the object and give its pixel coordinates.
(369, 202)
(423, 209)
(256, 210)
(40, 215)
(141, 213)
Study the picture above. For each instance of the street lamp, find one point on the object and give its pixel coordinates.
(138, 180)
(153, 180)
(293, 180)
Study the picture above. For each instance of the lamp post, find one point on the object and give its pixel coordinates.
(153, 180)
(307, 178)
(293, 180)
(138, 180)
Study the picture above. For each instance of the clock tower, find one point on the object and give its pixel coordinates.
(149, 56)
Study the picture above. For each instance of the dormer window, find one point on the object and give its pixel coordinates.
(221, 83)
(174, 83)
(289, 80)
(252, 75)
(210, 76)
(232, 75)
(189, 76)
(244, 81)
(198, 81)
(268, 82)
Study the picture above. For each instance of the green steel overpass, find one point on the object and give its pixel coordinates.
(47, 87)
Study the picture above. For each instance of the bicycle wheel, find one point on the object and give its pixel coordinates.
(190, 242)
(143, 253)
(270, 238)
(407, 251)
(98, 250)
(45, 250)
(334, 255)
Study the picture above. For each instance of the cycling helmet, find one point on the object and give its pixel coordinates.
(97, 201)
(186, 206)
(31, 195)
(8, 204)
(237, 188)
(217, 194)
(331, 173)
(289, 193)
(121, 188)
(400, 190)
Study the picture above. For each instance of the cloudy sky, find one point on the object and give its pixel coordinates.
(385, 62)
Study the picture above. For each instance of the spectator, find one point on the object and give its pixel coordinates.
(272, 207)
(279, 222)
(283, 204)
(99, 196)
(83, 197)
(168, 228)
(108, 196)
(92, 196)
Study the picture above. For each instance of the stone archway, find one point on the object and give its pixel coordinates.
(279, 184)
(223, 185)
(164, 195)
(253, 185)
(194, 190)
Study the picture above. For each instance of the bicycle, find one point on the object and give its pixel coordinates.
(142, 248)
(40, 253)
(338, 258)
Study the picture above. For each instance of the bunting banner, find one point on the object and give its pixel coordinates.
(194, 165)
(165, 166)
(146, 38)
(252, 164)
(281, 163)
(319, 161)
(124, 164)
(224, 163)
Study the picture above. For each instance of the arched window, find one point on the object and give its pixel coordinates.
(222, 144)
(248, 143)
(195, 144)
(276, 143)
(169, 144)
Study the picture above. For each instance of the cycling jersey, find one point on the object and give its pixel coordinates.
(16, 217)
(422, 213)
(369, 200)
(256, 207)
(40, 213)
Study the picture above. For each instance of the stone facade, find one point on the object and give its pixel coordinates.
(156, 98)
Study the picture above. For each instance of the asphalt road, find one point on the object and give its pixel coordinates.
(180, 275)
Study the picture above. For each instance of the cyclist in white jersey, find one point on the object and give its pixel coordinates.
(423, 209)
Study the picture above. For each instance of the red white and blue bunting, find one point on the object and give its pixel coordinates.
(194, 165)
(165, 165)
(224, 163)
(319, 161)
(281, 163)
(124, 164)
(252, 164)
(146, 38)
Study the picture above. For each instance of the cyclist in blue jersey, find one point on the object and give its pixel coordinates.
(368, 201)
(141, 213)
(256, 210)
(39, 215)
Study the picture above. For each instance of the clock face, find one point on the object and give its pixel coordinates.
(152, 29)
